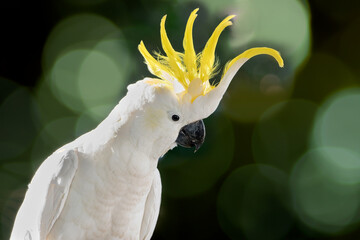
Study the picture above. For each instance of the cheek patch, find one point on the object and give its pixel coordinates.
(153, 118)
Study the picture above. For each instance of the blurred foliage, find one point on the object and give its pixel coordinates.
(281, 159)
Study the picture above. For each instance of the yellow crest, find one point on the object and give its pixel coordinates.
(189, 67)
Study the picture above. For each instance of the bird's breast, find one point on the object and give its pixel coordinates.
(104, 202)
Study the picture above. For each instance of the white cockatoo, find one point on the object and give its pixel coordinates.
(105, 184)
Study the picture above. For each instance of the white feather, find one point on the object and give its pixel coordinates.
(105, 184)
(45, 197)
(152, 208)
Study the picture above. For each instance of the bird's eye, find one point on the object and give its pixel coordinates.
(175, 118)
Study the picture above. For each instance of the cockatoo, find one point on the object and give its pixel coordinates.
(105, 184)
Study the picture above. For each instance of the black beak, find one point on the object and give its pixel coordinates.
(192, 135)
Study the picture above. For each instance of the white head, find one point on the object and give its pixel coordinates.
(171, 107)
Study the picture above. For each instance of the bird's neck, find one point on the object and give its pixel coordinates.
(126, 143)
(127, 155)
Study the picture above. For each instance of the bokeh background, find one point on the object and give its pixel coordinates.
(282, 154)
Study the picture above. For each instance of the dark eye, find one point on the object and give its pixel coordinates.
(175, 117)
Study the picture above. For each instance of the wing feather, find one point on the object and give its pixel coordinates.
(46, 196)
(152, 208)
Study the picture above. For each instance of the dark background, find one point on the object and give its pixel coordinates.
(257, 176)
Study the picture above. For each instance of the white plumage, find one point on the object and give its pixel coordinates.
(105, 184)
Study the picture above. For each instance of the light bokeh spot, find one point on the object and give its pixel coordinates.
(83, 79)
(87, 62)
(64, 79)
(337, 123)
(99, 80)
(324, 186)
(280, 23)
(80, 31)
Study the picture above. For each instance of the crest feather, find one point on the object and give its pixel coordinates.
(187, 66)
(191, 71)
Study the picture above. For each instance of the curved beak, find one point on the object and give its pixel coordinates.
(192, 135)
